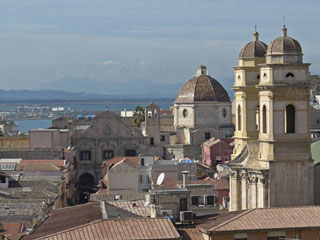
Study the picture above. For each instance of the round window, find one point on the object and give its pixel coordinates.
(185, 113)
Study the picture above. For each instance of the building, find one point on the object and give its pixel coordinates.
(49, 138)
(183, 199)
(202, 110)
(265, 224)
(271, 162)
(217, 151)
(105, 138)
(8, 128)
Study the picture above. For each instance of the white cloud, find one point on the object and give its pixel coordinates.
(109, 62)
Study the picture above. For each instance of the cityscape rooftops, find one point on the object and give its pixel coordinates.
(119, 229)
(263, 219)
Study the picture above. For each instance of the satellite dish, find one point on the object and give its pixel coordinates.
(160, 179)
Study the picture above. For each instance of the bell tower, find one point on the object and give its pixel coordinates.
(272, 165)
(284, 136)
(246, 103)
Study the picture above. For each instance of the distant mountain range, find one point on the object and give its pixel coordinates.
(133, 87)
(83, 89)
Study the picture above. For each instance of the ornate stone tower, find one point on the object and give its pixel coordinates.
(247, 76)
(276, 169)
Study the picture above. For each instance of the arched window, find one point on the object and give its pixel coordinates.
(289, 74)
(257, 117)
(239, 118)
(264, 119)
(85, 155)
(290, 119)
(107, 154)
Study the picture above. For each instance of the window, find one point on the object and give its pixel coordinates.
(142, 162)
(264, 119)
(107, 154)
(2, 179)
(149, 114)
(289, 75)
(140, 178)
(258, 77)
(209, 200)
(257, 117)
(224, 112)
(290, 119)
(130, 153)
(162, 138)
(185, 113)
(107, 130)
(207, 136)
(151, 141)
(264, 76)
(85, 155)
(239, 118)
(194, 200)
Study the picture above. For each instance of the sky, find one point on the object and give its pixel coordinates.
(163, 41)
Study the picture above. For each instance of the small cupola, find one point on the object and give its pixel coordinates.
(202, 71)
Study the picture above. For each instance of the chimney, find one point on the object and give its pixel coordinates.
(185, 178)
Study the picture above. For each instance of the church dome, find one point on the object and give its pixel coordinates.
(284, 45)
(254, 49)
(202, 88)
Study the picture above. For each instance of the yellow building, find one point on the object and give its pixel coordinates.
(21, 142)
(271, 163)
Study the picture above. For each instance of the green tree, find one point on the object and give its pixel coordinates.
(138, 116)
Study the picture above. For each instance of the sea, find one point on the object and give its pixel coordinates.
(26, 125)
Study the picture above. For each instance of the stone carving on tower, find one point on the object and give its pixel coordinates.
(271, 162)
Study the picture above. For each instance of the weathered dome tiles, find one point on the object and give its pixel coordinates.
(202, 88)
(254, 49)
(284, 45)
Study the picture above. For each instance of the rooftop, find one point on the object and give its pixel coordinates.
(132, 161)
(264, 219)
(119, 229)
(66, 218)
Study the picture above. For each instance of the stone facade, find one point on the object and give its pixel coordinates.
(106, 137)
(271, 162)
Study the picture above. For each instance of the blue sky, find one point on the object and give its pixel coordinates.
(162, 41)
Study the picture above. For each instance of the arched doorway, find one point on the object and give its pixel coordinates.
(86, 186)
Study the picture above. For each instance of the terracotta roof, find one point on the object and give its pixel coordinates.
(267, 219)
(66, 218)
(120, 229)
(39, 167)
(190, 233)
(202, 88)
(132, 161)
(13, 230)
(165, 112)
(57, 163)
(135, 207)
